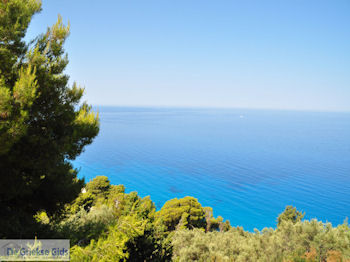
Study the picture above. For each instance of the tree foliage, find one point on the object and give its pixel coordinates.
(43, 125)
(111, 246)
(215, 224)
(299, 241)
(290, 213)
(121, 226)
(186, 212)
(104, 216)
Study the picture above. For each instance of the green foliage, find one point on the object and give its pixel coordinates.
(186, 212)
(125, 227)
(97, 192)
(15, 17)
(103, 216)
(290, 214)
(112, 245)
(98, 186)
(42, 123)
(89, 214)
(299, 241)
(18, 86)
(215, 223)
(84, 226)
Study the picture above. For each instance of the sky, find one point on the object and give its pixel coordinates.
(291, 54)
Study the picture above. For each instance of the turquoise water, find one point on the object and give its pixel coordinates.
(246, 164)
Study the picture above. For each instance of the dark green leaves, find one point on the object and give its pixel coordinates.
(42, 122)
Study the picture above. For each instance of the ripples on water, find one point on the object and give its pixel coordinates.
(247, 164)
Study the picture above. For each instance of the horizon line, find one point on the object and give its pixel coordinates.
(222, 108)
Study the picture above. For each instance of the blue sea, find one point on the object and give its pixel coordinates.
(246, 164)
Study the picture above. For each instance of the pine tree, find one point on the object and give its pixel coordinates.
(43, 124)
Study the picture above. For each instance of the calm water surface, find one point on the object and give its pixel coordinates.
(246, 164)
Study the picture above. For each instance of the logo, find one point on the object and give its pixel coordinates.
(34, 249)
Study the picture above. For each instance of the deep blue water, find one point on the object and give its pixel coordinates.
(246, 164)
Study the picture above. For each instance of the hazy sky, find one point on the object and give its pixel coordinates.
(292, 54)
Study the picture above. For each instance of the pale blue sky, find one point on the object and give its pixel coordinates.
(291, 54)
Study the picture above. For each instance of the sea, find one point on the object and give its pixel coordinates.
(248, 165)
